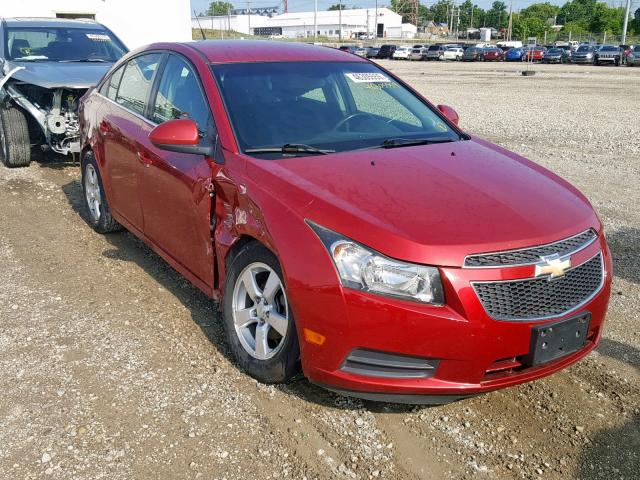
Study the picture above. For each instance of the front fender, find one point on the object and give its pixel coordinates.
(250, 208)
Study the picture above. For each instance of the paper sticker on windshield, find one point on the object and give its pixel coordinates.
(367, 77)
(98, 37)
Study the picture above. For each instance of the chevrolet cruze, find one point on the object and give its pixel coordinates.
(348, 227)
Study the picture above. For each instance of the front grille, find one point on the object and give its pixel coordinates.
(538, 298)
(529, 256)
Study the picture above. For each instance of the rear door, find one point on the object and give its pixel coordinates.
(119, 127)
(175, 188)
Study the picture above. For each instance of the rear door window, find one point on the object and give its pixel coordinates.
(136, 82)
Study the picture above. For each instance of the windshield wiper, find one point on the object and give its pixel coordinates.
(407, 142)
(84, 60)
(290, 148)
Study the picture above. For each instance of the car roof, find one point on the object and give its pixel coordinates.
(49, 22)
(244, 51)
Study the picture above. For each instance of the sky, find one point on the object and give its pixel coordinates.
(307, 5)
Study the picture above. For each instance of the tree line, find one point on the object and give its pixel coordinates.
(580, 17)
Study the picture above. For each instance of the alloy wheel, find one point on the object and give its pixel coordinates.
(260, 311)
(92, 192)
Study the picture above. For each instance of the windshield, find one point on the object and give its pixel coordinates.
(608, 48)
(61, 44)
(584, 48)
(433, 48)
(555, 51)
(336, 106)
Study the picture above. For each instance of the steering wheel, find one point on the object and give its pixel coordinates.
(348, 118)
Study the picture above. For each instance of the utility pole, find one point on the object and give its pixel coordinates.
(509, 28)
(249, 9)
(315, 19)
(375, 24)
(340, 19)
(286, 6)
(626, 21)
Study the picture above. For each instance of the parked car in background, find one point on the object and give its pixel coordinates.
(401, 53)
(373, 52)
(509, 44)
(46, 65)
(371, 245)
(418, 52)
(633, 57)
(473, 54)
(625, 49)
(556, 55)
(534, 54)
(435, 52)
(348, 48)
(361, 51)
(608, 54)
(387, 51)
(514, 55)
(453, 53)
(493, 54)
(584, 54)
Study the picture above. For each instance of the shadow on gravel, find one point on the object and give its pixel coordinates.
(127, 248)
(625, 248)
(613, 453)
(620, 351)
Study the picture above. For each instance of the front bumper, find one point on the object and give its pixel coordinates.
(581, 60)
(474, 353)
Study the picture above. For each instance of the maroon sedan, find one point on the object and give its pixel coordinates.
(347, 226)
(493, 55)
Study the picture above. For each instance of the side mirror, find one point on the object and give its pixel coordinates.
(450, 113)
(181, 136)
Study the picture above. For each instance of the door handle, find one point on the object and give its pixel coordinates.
(144, 158)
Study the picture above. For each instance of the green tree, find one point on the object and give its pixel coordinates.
(606, 19)
(634, 25)
(219, 8)
(525, 27)
(544, 11)
(497, 16)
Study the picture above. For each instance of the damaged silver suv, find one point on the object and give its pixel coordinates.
(46, 65)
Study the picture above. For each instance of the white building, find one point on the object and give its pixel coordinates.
(387, 24)
(135, 22)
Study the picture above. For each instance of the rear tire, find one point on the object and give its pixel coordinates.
(95, 201)
(15, 148)
(277, 358)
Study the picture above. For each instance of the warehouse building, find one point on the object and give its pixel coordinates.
(136, 23)
(354, 22)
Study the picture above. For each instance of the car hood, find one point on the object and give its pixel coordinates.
(57, 74)
(431, 204)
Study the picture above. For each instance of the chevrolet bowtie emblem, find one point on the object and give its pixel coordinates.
(553, 265)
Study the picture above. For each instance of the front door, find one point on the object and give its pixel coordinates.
(175, 188)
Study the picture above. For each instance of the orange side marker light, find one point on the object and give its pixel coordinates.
(313, 337)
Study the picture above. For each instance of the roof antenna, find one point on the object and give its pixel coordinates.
(201, 30)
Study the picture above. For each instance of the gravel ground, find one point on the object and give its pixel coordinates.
(113, 366)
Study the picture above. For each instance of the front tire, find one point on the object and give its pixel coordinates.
(15, 147)
(95, 200)
(258, 319)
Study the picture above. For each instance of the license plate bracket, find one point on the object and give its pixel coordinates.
(555, 340)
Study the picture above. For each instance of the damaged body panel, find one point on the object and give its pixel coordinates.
(46, 66)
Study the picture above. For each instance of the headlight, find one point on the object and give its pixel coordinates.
(589, 55)
(364, 269)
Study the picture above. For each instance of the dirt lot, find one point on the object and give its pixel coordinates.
(113, 366)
